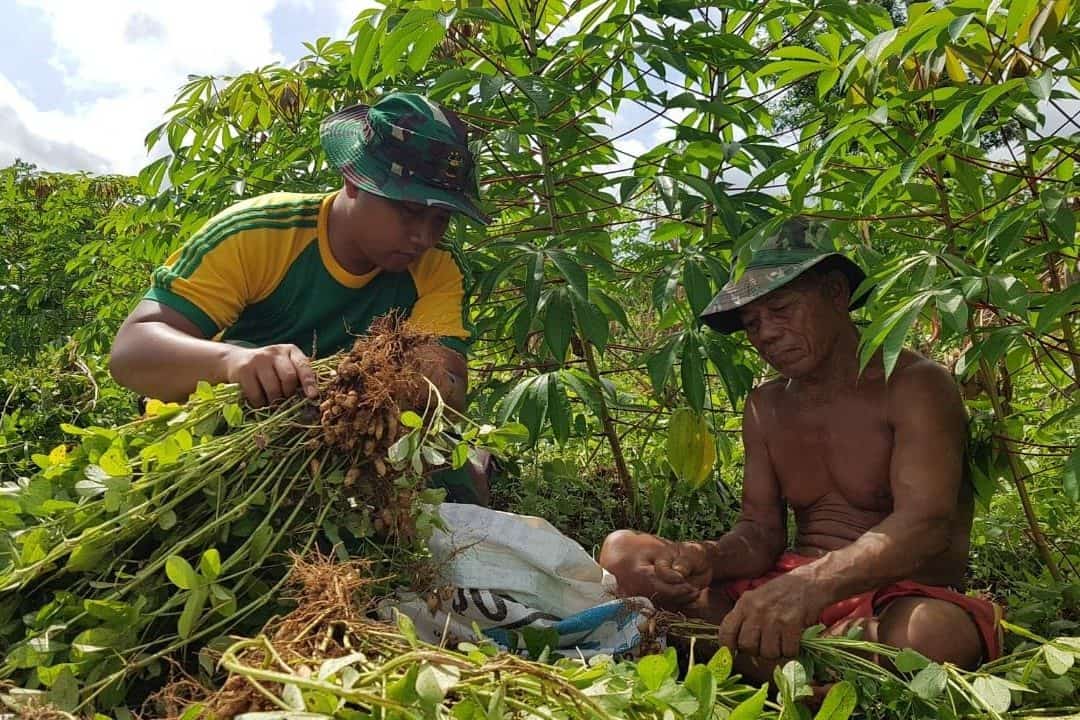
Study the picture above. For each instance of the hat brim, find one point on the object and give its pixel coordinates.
(345, 135)
(722, 313)
(373, 177)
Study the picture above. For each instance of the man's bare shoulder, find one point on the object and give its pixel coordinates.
(918, 381)
(763, 403)
(767, 393)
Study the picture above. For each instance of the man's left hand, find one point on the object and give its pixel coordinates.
(446, 369)
(768, 621)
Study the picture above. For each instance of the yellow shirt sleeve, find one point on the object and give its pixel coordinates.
(440, 287)
(224, 267)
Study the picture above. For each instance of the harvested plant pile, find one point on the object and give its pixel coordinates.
(141, 545)
(328, 658)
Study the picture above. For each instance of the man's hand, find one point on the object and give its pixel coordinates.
(447, 371)
(768, 621)
(670, 573)
(268, 374)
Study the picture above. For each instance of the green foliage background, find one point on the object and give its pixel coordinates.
(941, 143)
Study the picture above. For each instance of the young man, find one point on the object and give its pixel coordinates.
(283, 276)
(873, 468)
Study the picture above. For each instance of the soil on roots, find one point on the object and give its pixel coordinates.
(383, 375)
(331, 599)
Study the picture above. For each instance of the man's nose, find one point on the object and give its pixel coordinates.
(768, 331)
(426, 234)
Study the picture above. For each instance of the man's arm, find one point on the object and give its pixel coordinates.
(751, 547)
(925, 473)
(160, 353)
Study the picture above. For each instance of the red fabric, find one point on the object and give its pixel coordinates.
(985, 613)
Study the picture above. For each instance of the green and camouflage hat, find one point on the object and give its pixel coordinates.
(784, 256)
(405, 147)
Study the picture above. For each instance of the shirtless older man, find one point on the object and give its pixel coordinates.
(872, 467)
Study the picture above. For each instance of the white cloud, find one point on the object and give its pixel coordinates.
(128, 59)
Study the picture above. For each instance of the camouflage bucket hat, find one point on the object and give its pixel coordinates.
(783, 257)
(405, 147)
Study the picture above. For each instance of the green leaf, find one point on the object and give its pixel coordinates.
(875, 48)
(750, 709)
(1063, 223)
(459, 456)
(64, 693)
(653, 670)
(534, 281)
(114, 462)
(839, 702)
(234, 416)
(702, 683)
(692, 372)
(558, 410)
(112, 612)
(181, 573)
(167, 520)
(953, 310)
(210, 564)
(434, 681)
(534, 406)
(720, 664)
(411, 420)
(659, 364)
(1057, 306)
(1058, 661)
(994, 692)
(573, 273)
(696, 284)
(406, 627)
(192, 611)
(1070, 479)
(908, 660)
(593, 323)
(558, 324)
(1040, 85)
(930, 682)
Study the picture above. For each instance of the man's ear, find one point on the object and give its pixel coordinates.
(838, 290)
(351, 191)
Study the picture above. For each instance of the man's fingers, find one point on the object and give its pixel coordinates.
(729, 629)
(790, 642)
(271, 386)
(287, 375)
(304, 373)
(750, 638)
(668, 574)
(771, 640)
(252, 388)
(677, 592)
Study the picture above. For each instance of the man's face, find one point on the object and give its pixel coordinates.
(397, 232)
(793, 328)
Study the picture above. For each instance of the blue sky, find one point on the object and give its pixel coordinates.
(82, 82)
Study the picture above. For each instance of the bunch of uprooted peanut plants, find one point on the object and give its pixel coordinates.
(135, 547)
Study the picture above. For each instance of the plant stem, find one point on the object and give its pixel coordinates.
(1005, 440)
(1066, 323)
(606, 421)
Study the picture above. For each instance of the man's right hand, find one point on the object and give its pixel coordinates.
(668, 572)
(268, 374)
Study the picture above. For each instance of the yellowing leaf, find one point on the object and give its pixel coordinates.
(157, 408)
(691, 451)
(953, 67)
(58, 455)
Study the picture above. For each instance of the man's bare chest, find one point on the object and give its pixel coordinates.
(843, 450)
